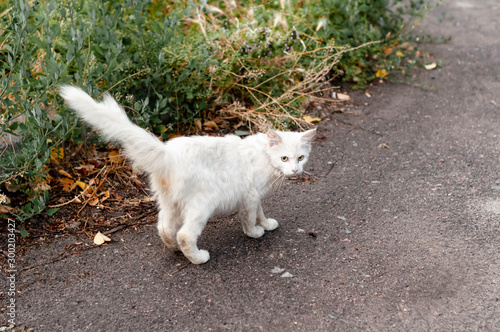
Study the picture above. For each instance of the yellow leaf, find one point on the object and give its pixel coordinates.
(381, 73)
(399, 54)
(81, 184)
(63, 172)
(115, 157)
(57, 153)
(310, 119)
(430, 66)
(100, 238)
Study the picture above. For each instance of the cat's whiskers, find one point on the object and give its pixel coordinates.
(281, 181)
(278, 181)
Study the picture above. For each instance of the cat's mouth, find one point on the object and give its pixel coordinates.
(292, 173)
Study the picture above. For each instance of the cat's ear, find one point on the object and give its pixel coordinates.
(309, 136)
(273, 137)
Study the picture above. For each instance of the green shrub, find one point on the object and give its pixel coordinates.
(171, 63)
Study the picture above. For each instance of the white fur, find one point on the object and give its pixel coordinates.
(194, 177)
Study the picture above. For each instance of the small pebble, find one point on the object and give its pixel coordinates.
(277, 270)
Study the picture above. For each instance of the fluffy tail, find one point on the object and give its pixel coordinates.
(145, 150)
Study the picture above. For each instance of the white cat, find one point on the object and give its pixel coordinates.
(195, 177)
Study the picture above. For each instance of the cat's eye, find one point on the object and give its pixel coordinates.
(284, 158)
(301, 158)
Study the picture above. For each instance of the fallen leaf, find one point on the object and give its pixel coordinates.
(94, 201)
(210, 125)
(41, 186)
(310, 119)
(67, 184)
(105, 196)
(115, 157)
(63, 172)
(100, 238)
(4, 209)
(198, 124)
(86, 167)
(11, 187)
(343, 96)
(430, 66)
(81, 184)
(381, 73)
(172, 135)
(399, 54)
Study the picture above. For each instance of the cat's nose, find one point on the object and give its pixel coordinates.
(294, 170)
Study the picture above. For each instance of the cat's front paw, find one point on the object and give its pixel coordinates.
(270, 224)
(202, 256)
(255, 232)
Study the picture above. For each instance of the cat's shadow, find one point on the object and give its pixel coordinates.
(223, 237)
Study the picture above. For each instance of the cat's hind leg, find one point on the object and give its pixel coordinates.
(187, 237)
(168, 224)
(268, 224)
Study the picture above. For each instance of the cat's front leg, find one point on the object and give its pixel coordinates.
(248, 217)
(268, 224)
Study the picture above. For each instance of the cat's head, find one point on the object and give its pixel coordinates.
(289, 151)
